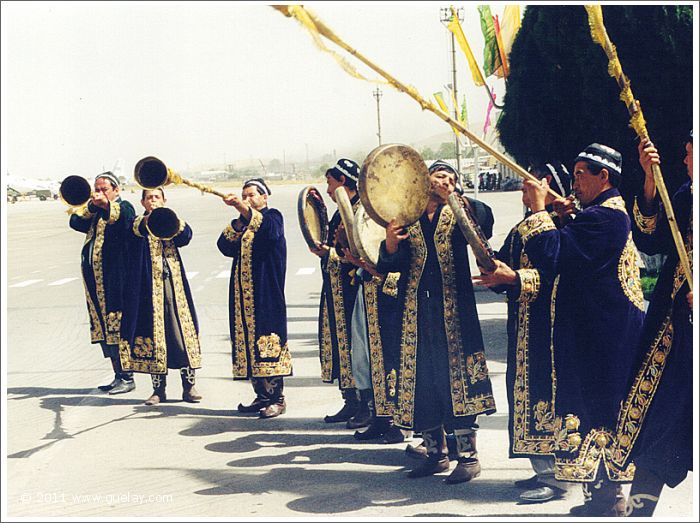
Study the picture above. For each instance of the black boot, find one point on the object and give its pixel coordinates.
(437, 461)
(377, 427)
(395, 435)
(644, 494)
(189, 393)
(261, 397)
(158, 396)
(349, 408)
(116, 368)
(277, 404)
(363, 415)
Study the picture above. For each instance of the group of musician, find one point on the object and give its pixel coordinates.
(599, 385)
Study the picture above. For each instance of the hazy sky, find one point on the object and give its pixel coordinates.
(86, 83)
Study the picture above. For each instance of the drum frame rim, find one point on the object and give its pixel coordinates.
(305, 231)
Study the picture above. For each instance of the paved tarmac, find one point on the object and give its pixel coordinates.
(72, 451)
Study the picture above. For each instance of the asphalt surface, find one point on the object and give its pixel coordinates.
(73, 451)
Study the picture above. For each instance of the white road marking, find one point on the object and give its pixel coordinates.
(191, 275)
(305, 270)
(224, 274)
(25, 283)
(62, 281)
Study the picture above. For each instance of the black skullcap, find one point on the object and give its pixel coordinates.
(604, 157)
(345, 167)
(260, 184)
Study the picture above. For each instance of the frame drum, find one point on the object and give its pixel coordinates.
(313, 217)
(394, 183)
(368, 236)
(473, 233)
(347, 216)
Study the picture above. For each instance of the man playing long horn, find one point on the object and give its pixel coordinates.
(257, 308)
(159, 326)
(443, 380)
(599, 309)
(104, 220)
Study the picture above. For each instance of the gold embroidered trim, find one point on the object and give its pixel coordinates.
(543, 413)
(110, 337)
(326, 345)
(462, 373)
(96, 332)
(84, 212)
(189, 332)
(628, 274)
(642, 393)
(376, 354)
(592, 452)
(616, 203)
(391, 284)
(115, 211)
(646, 224)
(679, 277)
(232, 234)
(346, 379)
(534, 225)
(529, 283)
(403, 416)
(136, 225)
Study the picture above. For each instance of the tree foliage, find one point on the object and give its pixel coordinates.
(560, 98)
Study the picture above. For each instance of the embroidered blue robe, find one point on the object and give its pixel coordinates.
(442, 375)
(103, 264)
(335, 310)
(655, 429)
(599, 309)
(143, 346)
(529, 385)
(257, 306)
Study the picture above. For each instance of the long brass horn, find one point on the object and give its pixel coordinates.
(151, 173)
(75, 191)
(163, 223)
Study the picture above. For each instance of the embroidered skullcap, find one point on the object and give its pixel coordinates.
(345, 167)
(260, 184)
(442, 165)
(561, 179)
(110, 176)
(604, 157)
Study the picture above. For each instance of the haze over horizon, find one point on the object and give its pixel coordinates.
(84, 84)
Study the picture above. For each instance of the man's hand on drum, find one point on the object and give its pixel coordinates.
(321, 250)
(503, 275)
(395, 233)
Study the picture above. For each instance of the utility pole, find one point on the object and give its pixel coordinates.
(378, 94)
(446, 16)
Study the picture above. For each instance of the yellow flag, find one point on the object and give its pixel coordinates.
(510, 24)
(441, 102)
(456, 29)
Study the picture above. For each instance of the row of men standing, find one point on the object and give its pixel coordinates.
(140, 304)
(575, 315)
(580, 378)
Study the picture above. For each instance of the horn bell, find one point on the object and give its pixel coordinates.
(151, 173)
(75, 190)
(163, 223)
